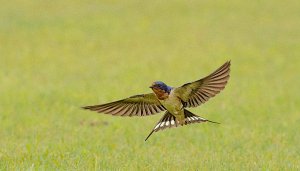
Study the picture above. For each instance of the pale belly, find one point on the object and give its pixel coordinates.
(173, 105)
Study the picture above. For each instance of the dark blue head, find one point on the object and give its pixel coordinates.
(162, 86)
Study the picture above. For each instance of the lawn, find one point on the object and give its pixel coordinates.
(57, 56)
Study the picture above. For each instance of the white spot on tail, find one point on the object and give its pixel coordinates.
(162, 124)
(172, 122)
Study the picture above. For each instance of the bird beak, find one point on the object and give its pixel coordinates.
(151, 86)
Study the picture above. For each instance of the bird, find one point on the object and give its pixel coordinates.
(172, 100)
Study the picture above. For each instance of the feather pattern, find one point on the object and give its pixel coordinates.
(170, 121)
(198, 92)
(138, 105)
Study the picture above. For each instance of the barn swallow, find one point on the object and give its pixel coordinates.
(173, 100)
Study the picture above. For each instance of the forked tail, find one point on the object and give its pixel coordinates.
(169, 121)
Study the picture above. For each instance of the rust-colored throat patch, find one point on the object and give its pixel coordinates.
(160, 94)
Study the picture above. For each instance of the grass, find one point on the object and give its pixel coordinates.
(57, 56)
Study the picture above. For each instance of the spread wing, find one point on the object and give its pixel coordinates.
(198, 92)
(138, 105)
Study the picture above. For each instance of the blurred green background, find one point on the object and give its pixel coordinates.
(56, 56)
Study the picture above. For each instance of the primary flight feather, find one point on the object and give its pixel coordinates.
(173, 100)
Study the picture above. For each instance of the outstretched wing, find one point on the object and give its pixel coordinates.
(138, 105)
(196, 93)
(170, 121)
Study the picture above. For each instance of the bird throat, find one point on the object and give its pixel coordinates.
(160, 94)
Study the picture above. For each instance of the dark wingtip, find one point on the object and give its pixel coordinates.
(85, 107)
(228, 62)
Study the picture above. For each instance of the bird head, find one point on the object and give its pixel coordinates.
(160, 86)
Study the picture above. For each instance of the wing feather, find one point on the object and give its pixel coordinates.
(198, 92)
(123, 109)
(138, 105)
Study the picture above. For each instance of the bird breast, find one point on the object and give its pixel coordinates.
(172, 104)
